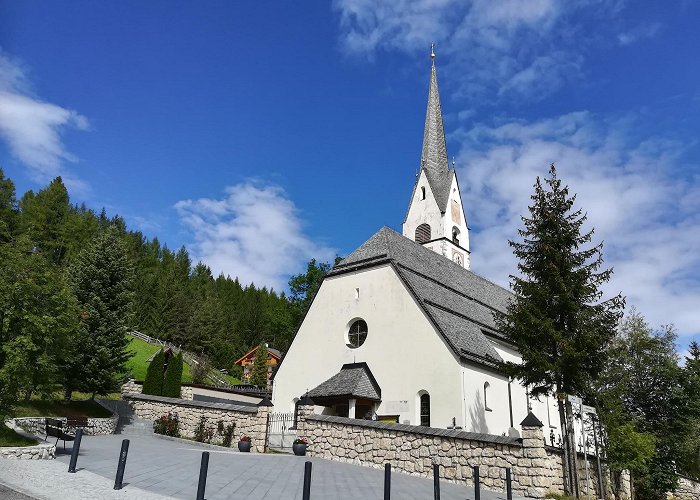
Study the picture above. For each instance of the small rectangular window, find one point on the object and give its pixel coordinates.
(357, 293)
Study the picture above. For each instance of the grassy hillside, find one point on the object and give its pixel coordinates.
(142, 351)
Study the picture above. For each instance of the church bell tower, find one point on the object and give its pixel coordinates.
(435, 216)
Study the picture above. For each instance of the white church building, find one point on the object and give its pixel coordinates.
(402, 330)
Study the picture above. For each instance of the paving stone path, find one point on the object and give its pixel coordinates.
(157, 466)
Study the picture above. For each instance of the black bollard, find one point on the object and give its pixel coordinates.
(203, 475)
(121, 465)
(387, 482)
(477, 493)
(509, 486)
(306, 494)
(436, 481)
(75, 450)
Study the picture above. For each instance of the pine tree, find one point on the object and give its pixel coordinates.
(172, 381)
(557, 321)
(258, 376)
(8, 208)
(101, 279)
(153, 383)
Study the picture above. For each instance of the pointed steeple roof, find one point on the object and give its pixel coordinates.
(434, 153)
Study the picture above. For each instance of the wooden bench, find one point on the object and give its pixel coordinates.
(54, 428)
(78, 423)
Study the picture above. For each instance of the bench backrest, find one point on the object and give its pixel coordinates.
(54, 427)
(77, 422)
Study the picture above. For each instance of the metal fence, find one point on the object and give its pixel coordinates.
(189, 358)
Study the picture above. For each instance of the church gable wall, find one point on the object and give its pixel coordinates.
(403, 350)
(423, 211)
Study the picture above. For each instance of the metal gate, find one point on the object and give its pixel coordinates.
(280, 434)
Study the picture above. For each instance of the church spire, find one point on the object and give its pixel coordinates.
(434, 154)
(435, 217)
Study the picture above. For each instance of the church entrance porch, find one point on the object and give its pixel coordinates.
(352, 392)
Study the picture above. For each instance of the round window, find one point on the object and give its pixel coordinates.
(357, 334)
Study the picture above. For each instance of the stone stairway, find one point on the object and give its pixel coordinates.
(128, 424)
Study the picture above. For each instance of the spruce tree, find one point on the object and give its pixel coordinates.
(557, 321)
(172, 380)
(153, 384)
(101, 279)
(258, 376)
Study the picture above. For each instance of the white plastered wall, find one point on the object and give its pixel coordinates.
(544, 408)
(424, 211)
(403, 349)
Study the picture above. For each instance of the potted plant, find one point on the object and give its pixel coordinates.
(299, 446)
(244, 443)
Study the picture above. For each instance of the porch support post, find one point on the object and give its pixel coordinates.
(351, 408)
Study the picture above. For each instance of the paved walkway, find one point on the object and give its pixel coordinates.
(157, 466)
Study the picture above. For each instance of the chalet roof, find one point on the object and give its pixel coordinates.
(460, 303)
(354, 380)
(274, 352)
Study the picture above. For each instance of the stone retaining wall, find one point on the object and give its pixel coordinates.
(41, 451)
(131, 387)
(101, 426)
(413, 450)
(249, 420)
(687, 489)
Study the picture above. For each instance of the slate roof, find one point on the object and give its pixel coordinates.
(434, 152)
(353, 380)
(459, 303)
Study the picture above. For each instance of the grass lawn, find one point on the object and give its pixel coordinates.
(59, 408)
(8, 437)
(230, 379)
(142, 351)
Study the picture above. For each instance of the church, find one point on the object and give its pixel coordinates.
(401, 330)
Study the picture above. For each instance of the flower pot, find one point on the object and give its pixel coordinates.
(299, 449)
(244, 446)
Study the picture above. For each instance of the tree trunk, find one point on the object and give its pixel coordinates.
(571, 438)
(67, 394)
(566, 462)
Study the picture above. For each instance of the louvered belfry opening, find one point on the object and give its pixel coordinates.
(423, 233)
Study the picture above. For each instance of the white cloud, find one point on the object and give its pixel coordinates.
(505, 49)
(254, 232)
(32, 128)
(639, 33)
(645, 212)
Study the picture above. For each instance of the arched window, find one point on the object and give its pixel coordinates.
(455, 235)
(425, 409)
(422, 193)
(486, 401)
(423, 233)
(357, 334)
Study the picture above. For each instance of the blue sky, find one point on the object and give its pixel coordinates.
(261, 134)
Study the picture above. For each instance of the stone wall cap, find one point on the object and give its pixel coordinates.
(418, 429)
(191, 403)
(306, 401)
(265, 402)
(531, 421)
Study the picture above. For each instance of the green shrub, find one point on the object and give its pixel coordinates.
(558, 496)
(228, 434)
(200, 371)
(167, 425)
(172, 381)
(154, 375)
(203, 434)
